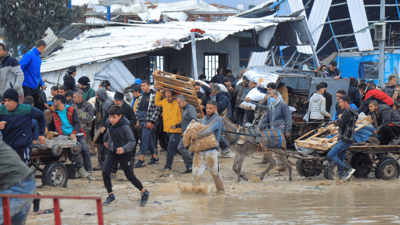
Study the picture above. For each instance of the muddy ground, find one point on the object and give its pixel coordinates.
(274, 200)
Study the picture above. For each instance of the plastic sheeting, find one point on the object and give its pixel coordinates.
(262, 78)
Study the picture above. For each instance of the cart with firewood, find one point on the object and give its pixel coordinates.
(50, 159)
(315, 145)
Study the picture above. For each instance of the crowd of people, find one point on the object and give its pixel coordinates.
(157, 118)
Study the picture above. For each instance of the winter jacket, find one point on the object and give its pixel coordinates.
(354, 94)
(207, 91)
(18, 131)
(328, 101)
(332, 74)
(317, 107)
(30, 66)
(73, 118)
(280, 115)
(385, 116)
(152, 110)
(347, 125)
(233, 80)
(119, 135)
(172, 113)
(69, 82)
(224, 102)
(86, 113)
(127, 111)
(70, 102)
(189, 113)
(35, 130)
(11, 75)
(241, 90)
(89, 93)
(218, 79)
(105, 101)
(284, 92)
(203, 99)
(339, 111)
(215, 126)
(389, 90)
(374, 94)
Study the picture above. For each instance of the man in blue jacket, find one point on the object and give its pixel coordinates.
(209, 158)
(30, 65)
(16, 124)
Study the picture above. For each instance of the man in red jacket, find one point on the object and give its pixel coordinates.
(66, 122)
(372, 94)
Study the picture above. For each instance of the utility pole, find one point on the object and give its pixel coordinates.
(381, 68)
(194, 56)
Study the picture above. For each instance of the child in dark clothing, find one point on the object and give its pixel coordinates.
(120, 141)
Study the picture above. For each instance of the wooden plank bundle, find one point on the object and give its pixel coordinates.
(180, 84)
(320, 140)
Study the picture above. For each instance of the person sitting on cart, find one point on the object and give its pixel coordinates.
(346, 132)
(16, 124)
(66, 122)
(386, 123)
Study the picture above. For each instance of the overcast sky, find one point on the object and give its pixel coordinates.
(231, 3)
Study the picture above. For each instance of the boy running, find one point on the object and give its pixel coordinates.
(120, 141)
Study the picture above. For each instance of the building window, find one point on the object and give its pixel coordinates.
(211, 64)
(156, 63)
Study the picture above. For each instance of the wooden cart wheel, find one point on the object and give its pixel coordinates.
(362, 164)
(388, 169)
(331, 170)
(56, 150)
(308, 168)
(55, 174)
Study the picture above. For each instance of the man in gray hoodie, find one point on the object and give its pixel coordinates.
(103, 103)
(11, 74)
(189, 113)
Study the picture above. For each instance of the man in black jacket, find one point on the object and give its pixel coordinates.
(201, 96)
(69, 78)
(354, 93)
(347, 125)
(386, 123)
(119, 139)
(128, 113)
(218, 79)
(328, 100)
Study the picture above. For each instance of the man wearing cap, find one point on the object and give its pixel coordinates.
(69, 78)
(16, 124)
(84, 84)
(86, 115)
(11, 73)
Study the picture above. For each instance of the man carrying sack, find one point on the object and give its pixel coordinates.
(204, 143)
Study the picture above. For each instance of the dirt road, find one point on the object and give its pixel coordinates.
(273, 200)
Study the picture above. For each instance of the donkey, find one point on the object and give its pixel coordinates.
(249, 147)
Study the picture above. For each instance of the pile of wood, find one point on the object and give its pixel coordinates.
(320, 141)
(180, 84)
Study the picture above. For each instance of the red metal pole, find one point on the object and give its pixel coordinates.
(57, 216)
(100, 218)
(6, 211)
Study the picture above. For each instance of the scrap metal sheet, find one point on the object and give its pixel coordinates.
(359, 21)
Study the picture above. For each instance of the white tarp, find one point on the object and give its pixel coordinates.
(261, 77)
(359, 21)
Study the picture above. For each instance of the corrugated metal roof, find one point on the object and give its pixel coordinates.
(260, 6)
(258, 59)
(296, 5)
(115, 41)
(359, 21)
(316, 20)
